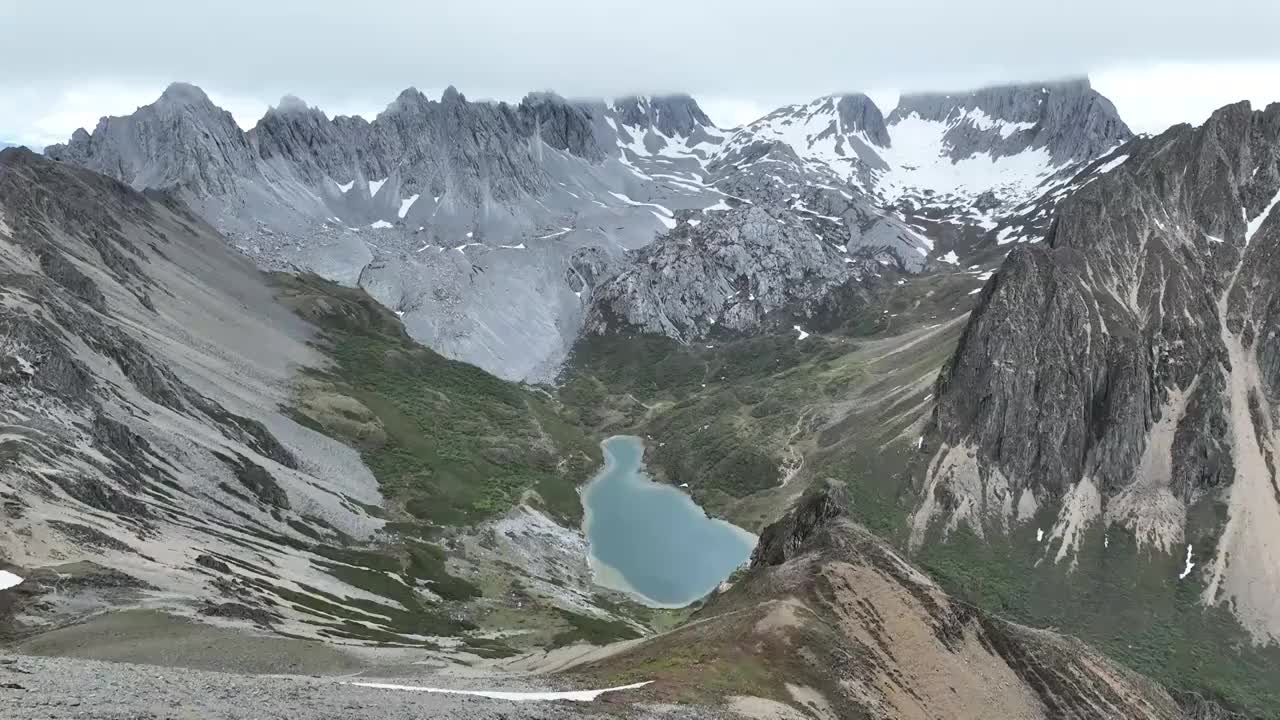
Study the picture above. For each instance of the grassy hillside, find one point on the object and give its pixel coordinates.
(1125, 600)
(451, 447)
(450, 444)
(749, 422)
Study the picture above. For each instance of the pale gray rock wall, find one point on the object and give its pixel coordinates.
(1069, 119)
(730, 271)
(671, 115)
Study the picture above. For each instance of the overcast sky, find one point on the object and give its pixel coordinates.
(64, 63)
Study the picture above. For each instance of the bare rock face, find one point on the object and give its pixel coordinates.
(859, 114)
(181, 140)
(293, 134)
(1126, 371)
(561, 125)
(730, 271)
(789, 537)
(1069, 119)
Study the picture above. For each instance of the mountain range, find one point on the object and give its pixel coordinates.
(985, 363)
(527, 196)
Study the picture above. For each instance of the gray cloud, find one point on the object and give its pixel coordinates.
(345, 54)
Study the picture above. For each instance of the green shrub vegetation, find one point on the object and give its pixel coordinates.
(1126, 601)
(592, 630)
(449, 443)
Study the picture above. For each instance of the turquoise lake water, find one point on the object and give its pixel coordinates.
(652, 540)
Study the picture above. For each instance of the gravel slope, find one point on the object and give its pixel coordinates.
(38, 687)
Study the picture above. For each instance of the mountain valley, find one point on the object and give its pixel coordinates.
(989, 375)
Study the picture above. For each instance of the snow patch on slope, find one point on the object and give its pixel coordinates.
(918, 161)
(572, 695)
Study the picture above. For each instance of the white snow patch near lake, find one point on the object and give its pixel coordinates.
(380, 224)
(513, 247)
(346, 187)
(375, 186)
(8, 580)
(951, 258)
(560, 232)
(1190, 565)
(572, 695)
(408, 203)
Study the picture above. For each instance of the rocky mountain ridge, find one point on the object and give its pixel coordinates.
(520, 191)
(1119, 378)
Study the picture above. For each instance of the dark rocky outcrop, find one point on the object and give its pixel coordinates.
(1125, 370)
(561, 125)
(782, 540)
(671, 115)
(858, 113)
(255, 478)
(213, 563)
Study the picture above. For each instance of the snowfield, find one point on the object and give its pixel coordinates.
(572, 695)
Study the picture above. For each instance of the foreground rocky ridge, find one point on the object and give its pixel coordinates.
(827, 622)
(830, 622)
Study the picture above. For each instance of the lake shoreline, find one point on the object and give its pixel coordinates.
(643, 551)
